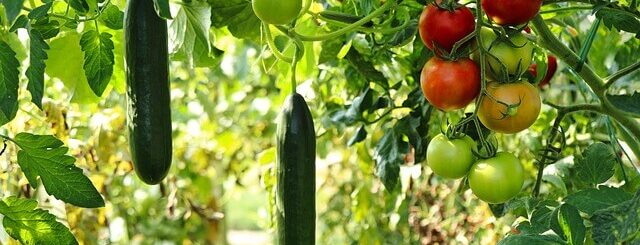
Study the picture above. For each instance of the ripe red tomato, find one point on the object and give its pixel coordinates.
(497, 179)
(443, 27)
(552, 67)
(495, 115)
(511, 12)
(450, 85)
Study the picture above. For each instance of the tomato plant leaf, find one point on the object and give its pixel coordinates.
(30, 225)
(627, 103)
(9, 78)
(621, 20)
(21, 22)
(48, 28)
(527, 239)
(45, 156)
(389, 155)
(566, 221)
(81, 6)
(592, 199)
(190, 35)
(98, 59)
(366, 68)
(12, 8)
(65, 61)
(162, 8)
(330, 50)
(618, 224)
(112, 17)
(40, 12)
(359, 136)
(35, 73)
(237, 16)
(596, 164)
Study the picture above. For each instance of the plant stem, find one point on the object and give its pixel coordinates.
(294, 63)
(621, 73)
(348, 28)
(8, 138)
(272, 45)
(572, 8)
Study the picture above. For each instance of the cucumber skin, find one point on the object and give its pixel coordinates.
(296, 167)
(148, 96)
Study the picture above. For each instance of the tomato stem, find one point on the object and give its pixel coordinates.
(386, 6)
(272, 45)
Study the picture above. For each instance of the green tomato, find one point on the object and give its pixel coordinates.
(450, 158)
(516, 58)
(277, 12)
(497, 179)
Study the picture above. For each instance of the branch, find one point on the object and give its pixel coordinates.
(610, 5)
(621, 73)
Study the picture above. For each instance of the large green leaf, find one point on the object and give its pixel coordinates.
(30, 225)
(65, 63)
(591, 200)
(621, 20)
(389, 155)
(35, 72)
(237, 16)
(9, 78)
(596, 164)
(98, 59)
(45, 156)
(112, 17)
(567, 222)
(12, 8)
(190, 35)
(629, 103)
(618, 224)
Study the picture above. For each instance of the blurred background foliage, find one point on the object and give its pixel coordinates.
(220, 186)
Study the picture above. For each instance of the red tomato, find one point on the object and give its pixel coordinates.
(552, 67)
(511, 12)
(450, 85)
(444, 28)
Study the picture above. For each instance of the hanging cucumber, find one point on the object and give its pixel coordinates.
(296, 165)
(148, 98)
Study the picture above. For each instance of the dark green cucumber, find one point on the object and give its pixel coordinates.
(296, 169)
(148, 98)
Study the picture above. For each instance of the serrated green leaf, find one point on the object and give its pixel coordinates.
(596, 164)
(528, 239)
(189, 33)
(12, 8)
(45, 156)
(619, 19)
(9, 78)
(366, 68)
(591, 200)
(35, 72)
(162, 8)
(30, 225)
(389, 155)
(81, 6)
(40, 11)
(618, 224)
(566, 221)
(112, 17)
(627, 103)
(48, 28)
(237, 16)
(98, 59)
(21, 22)
(65, 62)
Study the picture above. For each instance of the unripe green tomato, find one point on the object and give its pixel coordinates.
(277, 12)
(450, 158)
(516, 58)
(497, 179)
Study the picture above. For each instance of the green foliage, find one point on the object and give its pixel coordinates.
(629, 103)
(30, 225)
(591, 200)
(112, 17)
(12, 8)
(8, 83)
(35, 72)
(45, 156)
(98, 59)
(619, 223)
(596, 164)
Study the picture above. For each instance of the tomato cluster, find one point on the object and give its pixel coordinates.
(452, 79)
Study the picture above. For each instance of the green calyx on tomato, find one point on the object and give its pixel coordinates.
(507, 58)
(450, 85)
(277, 12)
(451, 157)
(497, 179)
(510, 107)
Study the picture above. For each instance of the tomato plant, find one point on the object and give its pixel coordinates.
(277, 12)
(511, 12)
(450, 158)
(510, 107)
(442, 28)
(497, 179)
(450, 85)
(506, 59)
(552, 67)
